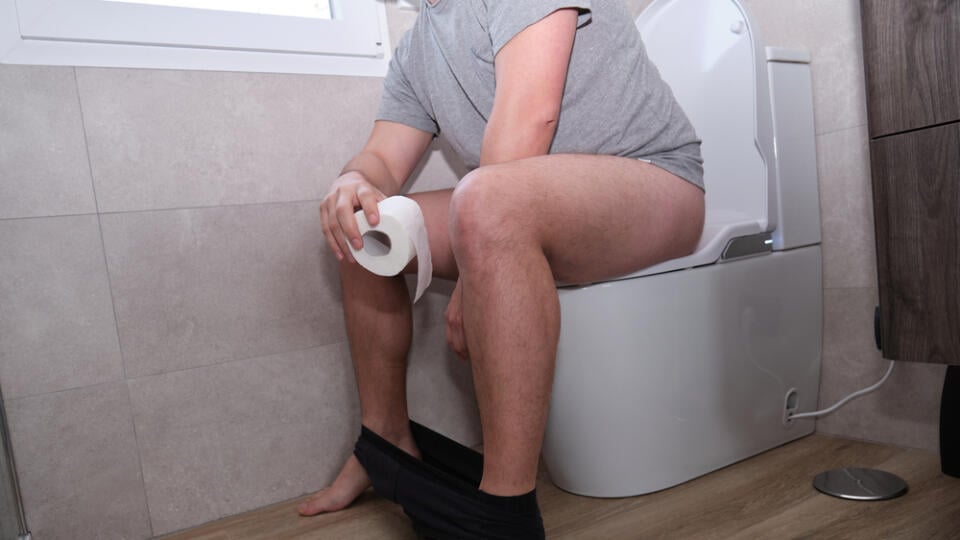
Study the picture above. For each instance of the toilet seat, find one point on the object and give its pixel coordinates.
(714, 72)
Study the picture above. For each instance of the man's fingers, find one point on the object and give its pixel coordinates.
(332, 243)
(347, 221)
(334, 231)
(369, 198)
(454, 318)
(340, 228)
(461, 345)
(455, 340)
(328, 234)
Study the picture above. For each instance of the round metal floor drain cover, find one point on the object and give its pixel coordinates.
(860, 484)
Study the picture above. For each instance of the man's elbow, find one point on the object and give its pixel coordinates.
(522, 133)
(533, 111)
(546, 116)
(541, 123)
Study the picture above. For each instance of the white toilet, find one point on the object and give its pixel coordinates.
(690, 365)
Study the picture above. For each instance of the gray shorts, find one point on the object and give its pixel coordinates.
(684, 162)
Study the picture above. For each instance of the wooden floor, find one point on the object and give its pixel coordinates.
(768, 496)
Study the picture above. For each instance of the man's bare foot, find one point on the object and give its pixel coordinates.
(350, 483)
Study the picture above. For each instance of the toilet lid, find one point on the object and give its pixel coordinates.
(704, 49)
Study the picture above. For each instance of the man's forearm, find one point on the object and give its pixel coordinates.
(374, 169)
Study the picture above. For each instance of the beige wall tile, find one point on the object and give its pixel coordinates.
(846, 203)
(637, 6)
(440, 385)
(399, 21)
(431, 308)
(224, 439)
(905, 411)
(193, 287)
(440, 169)
(43, 159)
(173, 139)
(198, 287)
(56, 317)
(830, 31)
(78, 465)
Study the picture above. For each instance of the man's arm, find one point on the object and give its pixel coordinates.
(378, 171)
(531, 70)
(390, 155)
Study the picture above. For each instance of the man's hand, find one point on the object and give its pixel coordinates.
(348, 193)
(379, 170)
(454, 316)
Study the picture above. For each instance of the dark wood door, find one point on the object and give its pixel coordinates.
(911, 51)
(916, 189)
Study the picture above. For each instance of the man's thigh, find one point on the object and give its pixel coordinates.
(435, 206)
(595, 217)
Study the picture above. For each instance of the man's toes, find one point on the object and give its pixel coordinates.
(305, 509)
(312, 506)
(324, 501)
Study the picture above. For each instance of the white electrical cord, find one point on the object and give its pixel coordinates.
(844, 401)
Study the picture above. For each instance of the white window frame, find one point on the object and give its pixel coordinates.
(118, 34)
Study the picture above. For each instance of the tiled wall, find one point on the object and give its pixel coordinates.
(172, 347)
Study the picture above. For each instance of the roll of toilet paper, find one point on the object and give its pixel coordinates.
(400, 236)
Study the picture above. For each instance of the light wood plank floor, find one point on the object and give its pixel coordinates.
(768, 496)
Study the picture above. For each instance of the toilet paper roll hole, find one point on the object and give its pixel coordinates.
(376, 243)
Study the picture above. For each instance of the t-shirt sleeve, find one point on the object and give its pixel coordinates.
(400, 102)
(507, 18)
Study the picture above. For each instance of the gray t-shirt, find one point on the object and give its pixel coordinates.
(441, 78)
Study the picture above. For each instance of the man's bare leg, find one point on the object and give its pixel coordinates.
(379, 324)
(517, 228)
(381, 307)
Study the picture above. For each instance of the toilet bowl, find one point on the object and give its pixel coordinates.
(691, 365)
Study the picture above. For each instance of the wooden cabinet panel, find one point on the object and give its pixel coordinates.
(916, 190)
(911, 52)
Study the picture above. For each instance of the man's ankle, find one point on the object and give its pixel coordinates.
(395, 430)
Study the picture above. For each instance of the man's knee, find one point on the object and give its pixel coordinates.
(487, 212)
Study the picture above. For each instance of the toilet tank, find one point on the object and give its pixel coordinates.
(791, 101)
